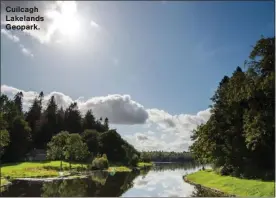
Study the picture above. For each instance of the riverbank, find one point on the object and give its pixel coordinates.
(52, 168)
(231, 185)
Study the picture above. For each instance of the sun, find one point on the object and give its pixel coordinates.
(65, 21)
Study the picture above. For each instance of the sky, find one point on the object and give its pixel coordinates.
(150, 67)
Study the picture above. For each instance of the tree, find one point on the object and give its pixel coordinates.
(73, 119)
(20, 139)
(89, 120)
(91, 138)
(65, 146)
(75, 149)
(57, 147)
(239, 136)
(4, 141)
(106, 126)
(33, 117)
(48, 121)
(18, 102)
(60, 119)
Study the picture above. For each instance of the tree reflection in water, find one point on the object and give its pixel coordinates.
(99, 184)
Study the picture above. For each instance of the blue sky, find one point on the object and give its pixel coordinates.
(167, 56)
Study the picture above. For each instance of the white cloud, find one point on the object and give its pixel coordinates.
(15, 39)
(26, 51)
(120, 109)
(159, 130)
(94, 24)
(170, 132)
(9, 35)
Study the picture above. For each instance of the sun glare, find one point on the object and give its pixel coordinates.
(66, 21)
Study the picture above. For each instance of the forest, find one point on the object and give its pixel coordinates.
(239, 137)
(56, 130)
(163, 156)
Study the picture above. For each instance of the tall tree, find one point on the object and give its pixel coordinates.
(91, 138)
(89, 120)
(18, 101)
(33, 118)
(73, 119)
(106, 124)
(239, 136)
(60, 119)
(20, 139)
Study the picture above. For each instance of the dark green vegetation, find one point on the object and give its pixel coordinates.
(163, 156)
(238, 139)
(65, 134)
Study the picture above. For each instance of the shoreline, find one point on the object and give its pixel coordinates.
(230, 186)
(214, 190)
(48, 172)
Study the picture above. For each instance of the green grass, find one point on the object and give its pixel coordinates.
(144, 164)
(118, 169)
(35, 169)
(233, 185)
(4, 181)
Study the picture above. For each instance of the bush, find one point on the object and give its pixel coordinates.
(226, 170)
(100, 163)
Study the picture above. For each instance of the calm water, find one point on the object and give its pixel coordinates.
(164, 180)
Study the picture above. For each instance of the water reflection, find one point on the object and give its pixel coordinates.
(163, 180)
(98, 184)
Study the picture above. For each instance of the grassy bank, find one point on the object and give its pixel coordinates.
(4, 182)
(232, 185)
(118, 169)
(51, 169)
(35, 169)
(144, 164)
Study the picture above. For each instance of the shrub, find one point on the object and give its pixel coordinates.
(226, 170)
(100, 163)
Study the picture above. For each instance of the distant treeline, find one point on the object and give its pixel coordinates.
(163, 156)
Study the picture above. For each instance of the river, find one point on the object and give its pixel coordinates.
(163, 180)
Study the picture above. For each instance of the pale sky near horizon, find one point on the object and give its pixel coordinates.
(150, 67)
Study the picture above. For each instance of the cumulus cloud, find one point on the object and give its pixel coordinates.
(170, 132)
(120, 109)
(177, 123)
(141, 137)
(159, 129)
(9, 35)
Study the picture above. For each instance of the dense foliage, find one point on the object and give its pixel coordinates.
(100, 162)
(163, 156)
(239, 136)
(65, 133)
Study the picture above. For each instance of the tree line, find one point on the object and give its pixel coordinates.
(163, 156)
(46, 128)
(239, 137)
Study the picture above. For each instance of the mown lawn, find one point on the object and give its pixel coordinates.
(233, 185)
(144, 164)
(4, 182)
(35, 169)
(118, 169)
